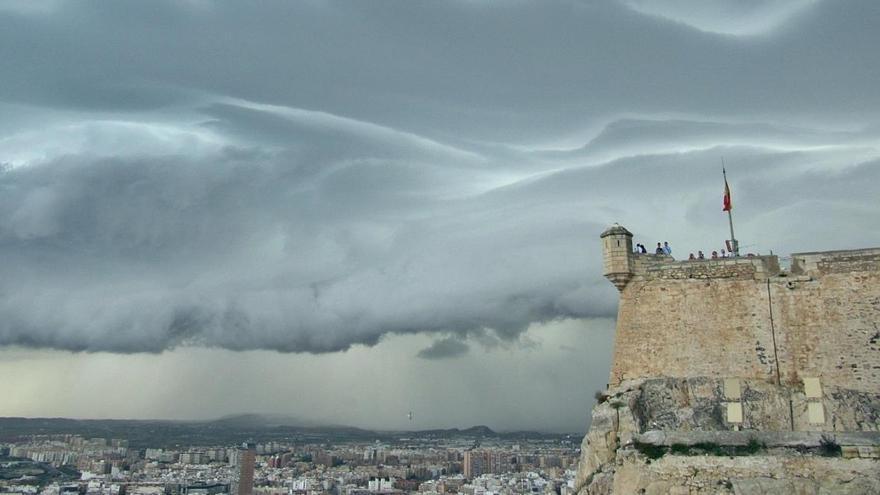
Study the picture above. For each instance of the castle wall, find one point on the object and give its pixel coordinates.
(694, 318)
(714, 354)
(735, 317)
(829, 325)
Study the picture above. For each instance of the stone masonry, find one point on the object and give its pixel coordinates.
(746, 318)
(732, 352)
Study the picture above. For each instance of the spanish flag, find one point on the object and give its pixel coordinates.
(727, 204)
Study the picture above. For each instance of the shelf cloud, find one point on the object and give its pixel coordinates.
(307, 177)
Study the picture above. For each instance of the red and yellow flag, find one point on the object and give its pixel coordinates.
(727, 204)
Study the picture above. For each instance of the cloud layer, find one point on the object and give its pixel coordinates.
(306, 177)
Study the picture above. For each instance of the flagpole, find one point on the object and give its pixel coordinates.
(734, 244)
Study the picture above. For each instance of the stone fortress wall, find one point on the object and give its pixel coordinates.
(816, 326)
(734, 351)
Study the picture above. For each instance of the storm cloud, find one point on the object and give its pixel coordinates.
(308, 176)
(442, 349)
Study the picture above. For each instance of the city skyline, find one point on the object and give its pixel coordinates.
(292, 466)
(349, 212)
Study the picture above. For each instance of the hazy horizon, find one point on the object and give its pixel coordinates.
(293, 422)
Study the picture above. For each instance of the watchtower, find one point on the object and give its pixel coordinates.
(617, 255)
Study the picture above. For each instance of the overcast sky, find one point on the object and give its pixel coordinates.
(351, 210)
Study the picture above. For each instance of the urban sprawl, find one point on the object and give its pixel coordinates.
(74, 465)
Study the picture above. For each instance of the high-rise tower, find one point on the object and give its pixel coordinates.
(247, 457)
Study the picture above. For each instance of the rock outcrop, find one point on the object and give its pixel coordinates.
(668, 435)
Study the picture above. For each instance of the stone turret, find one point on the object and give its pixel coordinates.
(617, 255)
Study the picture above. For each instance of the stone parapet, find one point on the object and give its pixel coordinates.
(825, 262)
(655, 267)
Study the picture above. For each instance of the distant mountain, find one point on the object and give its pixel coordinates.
(229, 430)
(266, 420)
(473, 431)
(480, 430)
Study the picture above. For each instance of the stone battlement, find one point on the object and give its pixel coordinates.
(621, 264)
(653, 267)
(822, 262)
(816, 264)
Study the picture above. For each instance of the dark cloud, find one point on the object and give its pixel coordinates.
(243, 250)
(305, 177)
(444, 349)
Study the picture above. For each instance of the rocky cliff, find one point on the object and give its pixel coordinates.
(670, 435)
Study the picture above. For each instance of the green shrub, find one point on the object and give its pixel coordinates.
(828, 446)
(711, 448)
(680, 449)
(702, 448)
(751, 448)
(650, 450)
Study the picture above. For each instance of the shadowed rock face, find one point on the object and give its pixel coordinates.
(666, 434)
(698, 403)
(674, 404)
